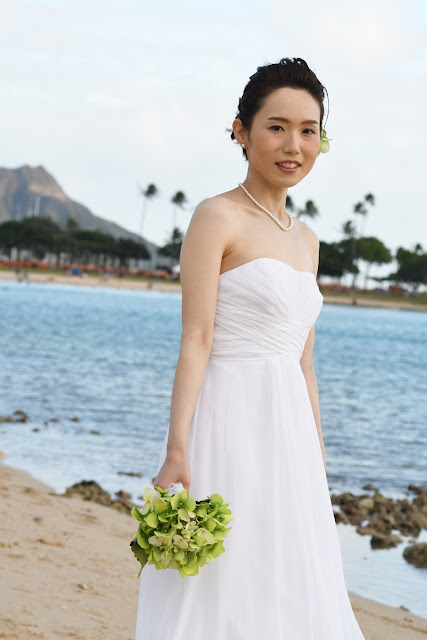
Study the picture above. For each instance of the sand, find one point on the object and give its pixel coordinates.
(164, 285)
(68, 571)
(97, 281)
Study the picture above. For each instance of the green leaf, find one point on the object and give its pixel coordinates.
(139, 553)
(157, 554)
(179, 554)
(152, 520)
(175, 501)
(160, 507)
(216, 500)
(190, 504)
(210, 524)
(163, 518)
(155, 541)
(182, 572)
(183, 514)
(142, 539)
(191, 570)
(165, 534)
(201, 511)
(135, 513)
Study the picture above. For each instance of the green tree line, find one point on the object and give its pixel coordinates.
(355, 254)
(42, 235)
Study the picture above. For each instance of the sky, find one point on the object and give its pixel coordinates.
(109, 96)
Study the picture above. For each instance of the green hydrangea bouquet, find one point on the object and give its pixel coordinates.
(177, 532)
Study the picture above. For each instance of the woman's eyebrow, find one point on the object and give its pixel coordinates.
(286, 120)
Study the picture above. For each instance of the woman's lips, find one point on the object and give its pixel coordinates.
(286, 170)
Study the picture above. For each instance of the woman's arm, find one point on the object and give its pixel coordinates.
(306, 360)
(307, 367)
(204, 244)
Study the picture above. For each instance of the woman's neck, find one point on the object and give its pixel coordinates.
(269, 196)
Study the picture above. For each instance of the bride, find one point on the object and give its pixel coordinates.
(244, 416)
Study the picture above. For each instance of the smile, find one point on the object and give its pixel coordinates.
(288, 167)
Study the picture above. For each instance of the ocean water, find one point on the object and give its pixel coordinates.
(108, 356)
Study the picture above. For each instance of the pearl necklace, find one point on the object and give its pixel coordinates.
(269, 212)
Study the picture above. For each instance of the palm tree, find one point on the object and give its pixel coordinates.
(71, 227)
(289, 203)
(150, 192)
(370, 199)
(349, 245)
(310, 210)
(360, 210)
(348, 228)
(178, 200)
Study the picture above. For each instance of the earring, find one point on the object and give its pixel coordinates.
(243, 146)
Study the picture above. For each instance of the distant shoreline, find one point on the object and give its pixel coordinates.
(162, 285)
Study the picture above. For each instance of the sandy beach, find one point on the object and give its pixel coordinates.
(68, 572)
(163, 285)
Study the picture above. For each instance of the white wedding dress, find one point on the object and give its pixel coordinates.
(253, 440)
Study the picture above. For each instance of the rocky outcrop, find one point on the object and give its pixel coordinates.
(416, 554)
(379, 517)
(92, 491)
(17, 416)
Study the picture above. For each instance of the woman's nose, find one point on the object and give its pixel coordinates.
(291, 142)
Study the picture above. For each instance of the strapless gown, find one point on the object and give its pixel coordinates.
(253, 440)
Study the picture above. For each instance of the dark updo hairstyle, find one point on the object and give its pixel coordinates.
(288, 72)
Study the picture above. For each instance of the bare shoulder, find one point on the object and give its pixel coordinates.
(208, 237)
(213, 216)
(214, 206)
(308, 234)
(311, 239)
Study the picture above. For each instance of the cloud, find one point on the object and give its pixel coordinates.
(363, 35)
(107, 94)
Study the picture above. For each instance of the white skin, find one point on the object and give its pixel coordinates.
(228, 230)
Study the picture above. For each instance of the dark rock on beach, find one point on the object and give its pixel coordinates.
(92, 491)
(382, 541)
(17, 416)
(89, 490)
(137, 474)
(378, 516)
(122, 502)
(416, 554)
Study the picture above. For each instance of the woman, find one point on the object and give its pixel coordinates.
(244, 418)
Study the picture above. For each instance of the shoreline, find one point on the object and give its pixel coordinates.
(175, 287)
(69, 556)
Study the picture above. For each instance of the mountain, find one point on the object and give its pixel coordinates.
(33, 191)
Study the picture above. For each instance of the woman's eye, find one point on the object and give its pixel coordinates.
(276, 127)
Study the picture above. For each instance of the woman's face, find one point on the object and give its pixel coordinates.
(279, 133)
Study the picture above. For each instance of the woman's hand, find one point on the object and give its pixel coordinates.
(175, 468)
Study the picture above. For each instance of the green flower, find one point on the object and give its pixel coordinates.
(177, 532)
(324, 143)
